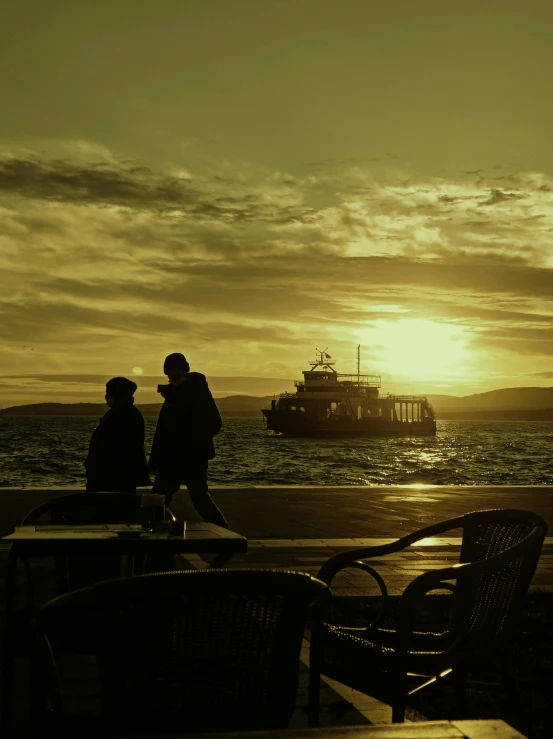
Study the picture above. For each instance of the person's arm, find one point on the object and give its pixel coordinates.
(159, 440)
(138, 456)
(203, 404)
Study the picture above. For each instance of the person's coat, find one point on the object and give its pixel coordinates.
(188, 421)
(116, 459)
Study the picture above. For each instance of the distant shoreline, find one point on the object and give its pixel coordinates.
(509, 404)
(246, 414)
(483, 416)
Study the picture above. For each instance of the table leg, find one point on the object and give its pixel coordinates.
(221, 560)
(8, 650)
(127, 565)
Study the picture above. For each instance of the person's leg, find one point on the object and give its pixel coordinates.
(167, 483)
(196, 482)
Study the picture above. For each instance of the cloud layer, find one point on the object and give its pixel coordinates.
(106, 264)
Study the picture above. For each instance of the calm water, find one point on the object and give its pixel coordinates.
(50, 451)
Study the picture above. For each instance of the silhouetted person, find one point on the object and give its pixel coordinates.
(116, 460)
(183, 441)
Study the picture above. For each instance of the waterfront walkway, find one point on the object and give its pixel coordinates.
(300, 528)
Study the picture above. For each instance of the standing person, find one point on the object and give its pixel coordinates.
(116, 460)
(183, 440)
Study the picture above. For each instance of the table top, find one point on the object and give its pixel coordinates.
(123, 538)
(495, 729)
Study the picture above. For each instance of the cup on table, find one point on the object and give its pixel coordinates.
(153, 514)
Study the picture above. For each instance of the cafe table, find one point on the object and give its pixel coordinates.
(125, 540)
(495, 729)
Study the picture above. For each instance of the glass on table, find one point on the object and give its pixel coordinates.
(153, 514)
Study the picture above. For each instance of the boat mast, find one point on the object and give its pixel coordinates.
(358, 362)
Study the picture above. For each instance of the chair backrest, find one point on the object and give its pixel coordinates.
(203, 650)
(87, 508)
(81, 509)
(489, 600)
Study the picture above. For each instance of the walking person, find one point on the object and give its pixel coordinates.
(116, 461)
(183, 440)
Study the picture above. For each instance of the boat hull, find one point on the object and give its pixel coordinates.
(297, 423)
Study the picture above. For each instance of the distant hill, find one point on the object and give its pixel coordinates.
(509, 398)
(55, 409)
(508, 404)
(234, 406)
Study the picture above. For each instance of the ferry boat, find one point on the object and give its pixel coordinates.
(330, 404)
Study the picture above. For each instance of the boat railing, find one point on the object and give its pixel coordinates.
(406, 398)
(364, 380)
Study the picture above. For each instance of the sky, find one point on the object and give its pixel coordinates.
(248, 181)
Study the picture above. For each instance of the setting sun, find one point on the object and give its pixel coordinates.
(421, 349)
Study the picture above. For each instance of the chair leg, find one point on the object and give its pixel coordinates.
(314, 706)
(44, 689)
(399, 701)
(36, 698)
(314, 695)
(8, 648)
(509, 694)
(398, 709)
(460, 678)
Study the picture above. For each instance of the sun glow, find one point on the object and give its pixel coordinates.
(420, 349)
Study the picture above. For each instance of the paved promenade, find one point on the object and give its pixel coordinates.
(300, 528)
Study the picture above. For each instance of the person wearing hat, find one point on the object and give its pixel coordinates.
(116, 461)
(183, 439)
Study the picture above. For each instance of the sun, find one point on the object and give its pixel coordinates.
(137, 371)
(421, 349)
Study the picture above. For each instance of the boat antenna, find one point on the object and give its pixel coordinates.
(358, 362)
(322, 354)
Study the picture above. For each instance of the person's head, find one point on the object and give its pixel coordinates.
(119, 390)
(176, 368)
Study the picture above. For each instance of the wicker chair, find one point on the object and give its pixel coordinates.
(78, 509)
(201, 650)
(87, 508)
(82, 509)
(499, 554)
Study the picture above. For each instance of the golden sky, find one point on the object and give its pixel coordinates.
(244, 181)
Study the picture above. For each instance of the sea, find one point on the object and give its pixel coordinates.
(40, 451)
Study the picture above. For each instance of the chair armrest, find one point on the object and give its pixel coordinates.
(343, 560)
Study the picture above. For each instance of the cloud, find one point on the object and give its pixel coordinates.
(500, 196)
(84, 388)
(101, 257)
(129, 185)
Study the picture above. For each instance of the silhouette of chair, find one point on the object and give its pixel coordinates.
(499, 554)
(81, 509)
(201, 650)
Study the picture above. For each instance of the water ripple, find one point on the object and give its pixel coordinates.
(50, 451)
